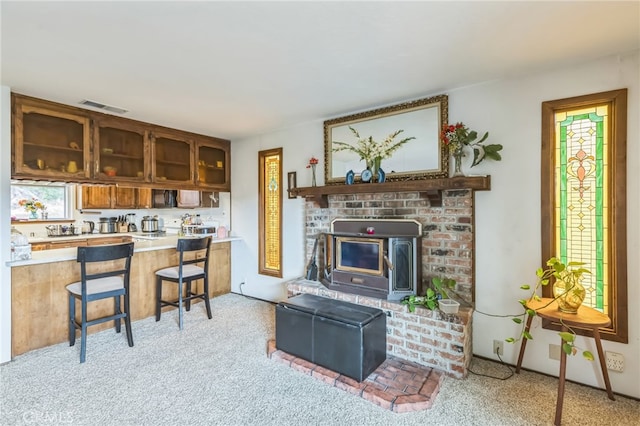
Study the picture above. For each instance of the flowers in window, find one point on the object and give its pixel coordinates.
(457, 136)
(32, 205)
(370, 150)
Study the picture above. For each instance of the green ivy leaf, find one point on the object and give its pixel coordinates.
(510, 340)
(531, 312)
(567, 348)
(527, 335)
(525, 287)
(516, 320)
(567, 337)
(587, 355)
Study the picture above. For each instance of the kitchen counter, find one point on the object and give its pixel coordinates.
(143, 242)
(39, 285)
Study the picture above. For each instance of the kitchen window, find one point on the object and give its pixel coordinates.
(28, 199)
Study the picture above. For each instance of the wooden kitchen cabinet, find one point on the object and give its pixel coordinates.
(57, 142)
(145, 200)
(121, 150)
(49, 140)
(120, 239)
(113, 197)
(79, 242)
(213, 159)
(172, 156)
(94, 197)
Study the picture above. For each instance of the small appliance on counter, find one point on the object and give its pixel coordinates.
(20, 247)
(107, 225)
(88, 227)
(61, 230)
(149, 224)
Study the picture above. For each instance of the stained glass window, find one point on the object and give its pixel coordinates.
(583, 200)
(270, 211)
(582, 185)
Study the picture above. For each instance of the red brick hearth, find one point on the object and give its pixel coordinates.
(428, 338)
(397, 385)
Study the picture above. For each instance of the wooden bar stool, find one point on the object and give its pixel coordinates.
(100, 284)
(185, 273)
(586, 318)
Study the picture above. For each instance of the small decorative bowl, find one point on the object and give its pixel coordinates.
(109, 171)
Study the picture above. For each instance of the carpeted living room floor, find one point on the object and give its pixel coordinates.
(216, 372)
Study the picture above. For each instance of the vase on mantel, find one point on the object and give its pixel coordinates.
(313, 175)
(374, 165)
(457, 155)
(33, 214)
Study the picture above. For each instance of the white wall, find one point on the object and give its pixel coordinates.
(299, 144)
(5, 220)
(507, 217)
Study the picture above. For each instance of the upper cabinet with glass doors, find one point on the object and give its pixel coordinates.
(212, 158)
(121, 152)
(62, 143)
(50, 141)
(173, 160)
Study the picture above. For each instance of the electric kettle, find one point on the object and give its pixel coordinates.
(88, 227)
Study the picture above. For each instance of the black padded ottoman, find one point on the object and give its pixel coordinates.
(344, 337)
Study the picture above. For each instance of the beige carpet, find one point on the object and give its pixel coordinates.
(216, 372)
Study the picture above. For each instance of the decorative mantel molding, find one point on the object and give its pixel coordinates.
(431, 188)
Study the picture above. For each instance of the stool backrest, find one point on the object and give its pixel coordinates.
(186, 245)
(105, 253)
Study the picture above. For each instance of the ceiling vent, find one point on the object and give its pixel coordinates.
(98, 105)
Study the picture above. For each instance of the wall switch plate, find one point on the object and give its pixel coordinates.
(615, 361)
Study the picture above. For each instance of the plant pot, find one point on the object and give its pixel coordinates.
(448, 306)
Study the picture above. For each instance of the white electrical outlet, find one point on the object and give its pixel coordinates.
(498, 347)
(615, 361)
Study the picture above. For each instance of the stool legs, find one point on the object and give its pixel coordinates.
(206, 297)
(158, 298)
(184, 298)
(72, 318)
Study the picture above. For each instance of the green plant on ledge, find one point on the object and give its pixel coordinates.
(437, 291)
(569, 276)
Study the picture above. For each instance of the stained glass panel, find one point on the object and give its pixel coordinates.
(270, 212)
(581, 198)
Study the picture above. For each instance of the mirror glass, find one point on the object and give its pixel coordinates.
(422, 157)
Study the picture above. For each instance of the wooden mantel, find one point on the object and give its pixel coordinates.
(431, 188)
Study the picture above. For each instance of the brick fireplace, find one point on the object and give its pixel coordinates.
(447, 249)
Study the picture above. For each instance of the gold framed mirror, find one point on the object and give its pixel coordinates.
(421, 157)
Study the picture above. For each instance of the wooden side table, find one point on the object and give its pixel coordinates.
(586, 318)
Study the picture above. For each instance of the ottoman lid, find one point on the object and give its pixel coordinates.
(338, 310)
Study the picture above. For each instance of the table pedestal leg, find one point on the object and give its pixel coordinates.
(563, 370)
(603, 364)
(523, 344)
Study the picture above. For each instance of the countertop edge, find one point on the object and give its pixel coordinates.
(67, 254)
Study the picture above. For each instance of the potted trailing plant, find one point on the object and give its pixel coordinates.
(567, 291)
(436, 292)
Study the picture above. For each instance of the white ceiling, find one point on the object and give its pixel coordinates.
(236, 69)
